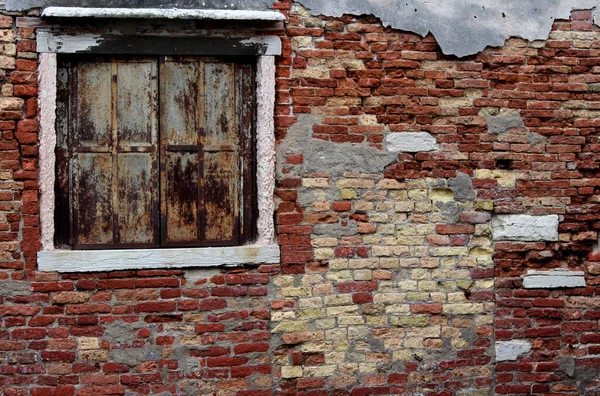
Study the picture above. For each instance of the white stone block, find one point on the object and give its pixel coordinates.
(511, 350)
(553, 279)
(525, 228)
(410, 142)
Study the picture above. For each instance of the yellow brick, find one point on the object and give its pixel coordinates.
(463, 309)
(387, 298)
(390, 184)
(319, 371)
(367, 367)
(88, 343)
(339, 276)
(312, 279)
(407, 285)
(417, 274)
(427, 285)
(338, 264)
(413, 342)
(278, 316)
(417, 296)
(302, 41)
(283, 281)
(367, 119)
(363, 275)
(397, 309)
(318, 182)
(363, 206)
(346, 193)
(378, 321)
(321, 206)
(311, 313)
(417, 195)
(311, 73)
(323, 253)
(291, 327)
(350, 320)
(296, 291)
(449, 251)
(444, 195)
(328, 323)
(363, 263)
(355, 183)
(342, 310)
(404, 354)
(291, 372)
(338, 299)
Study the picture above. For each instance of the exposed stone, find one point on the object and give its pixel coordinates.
(525, 228)
(462, 187)
(410, 142)
(511, 350)
(553, 279)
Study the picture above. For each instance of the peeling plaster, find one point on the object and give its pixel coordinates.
(333, 158)
(461, 27)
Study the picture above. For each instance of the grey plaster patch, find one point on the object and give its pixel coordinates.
(410, 142)
(503, 122)
(511, 350)
(534, 138)
(120, 335)
(450, 210)
(567, 365)
(333, 158)
(461, 27)
(12, 288)
(462, 187)
(556, 278)
(525, 228)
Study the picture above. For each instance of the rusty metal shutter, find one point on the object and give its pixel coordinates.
(191, 115)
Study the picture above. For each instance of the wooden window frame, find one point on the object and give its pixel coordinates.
(262, 250)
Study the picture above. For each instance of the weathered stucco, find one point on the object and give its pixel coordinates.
(461, 27)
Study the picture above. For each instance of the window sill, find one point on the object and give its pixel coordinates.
(112, 260)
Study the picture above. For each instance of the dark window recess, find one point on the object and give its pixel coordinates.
(154, 152)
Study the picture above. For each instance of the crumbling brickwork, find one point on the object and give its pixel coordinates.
(393, 162)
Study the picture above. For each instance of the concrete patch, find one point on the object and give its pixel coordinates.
(525, 228)
(410, 142)
(511, 350)
(553, 279)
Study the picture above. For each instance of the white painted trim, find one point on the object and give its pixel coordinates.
(265, 147)
(47, 118)
(161, 13)
(48, 41)
(110, 260)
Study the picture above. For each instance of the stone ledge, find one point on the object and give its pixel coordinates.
(110, 260)
(511, 350)
(525, 228)
(553, 279)
(410, 142)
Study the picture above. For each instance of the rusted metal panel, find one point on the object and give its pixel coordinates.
(180, 123)
(137, 103)
(93, 92)
(92, 199)
(220, 104)
(181, 198)
(221, 185)
(62, 207)
(136, 198)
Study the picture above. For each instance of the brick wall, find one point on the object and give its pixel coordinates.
(390, 281)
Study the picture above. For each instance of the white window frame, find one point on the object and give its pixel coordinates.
(263, 250)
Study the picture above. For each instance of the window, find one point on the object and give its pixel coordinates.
(155, 152)
(253, 225)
